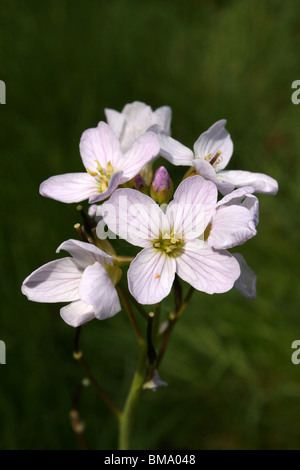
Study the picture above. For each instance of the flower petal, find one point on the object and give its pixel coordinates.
(174, 151)
(192, 207)
(207, 270)
(115, 121)
(209, 173)
(261, 183)
(244, 197)
(246, 283)
(138, 118)
(236, 196)
(85, 253)
(77, 313)
(97, 289)
(154, 383)
(70, 187)
(57, 281)
(100, 143)
(163, 117)
(214, 139)
(150, 276)
(252, 204)
(134, 217)
(141, 152)
(113, 183)
(231, 226)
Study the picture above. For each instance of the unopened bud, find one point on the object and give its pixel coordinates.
(139, 183)
(162, 186)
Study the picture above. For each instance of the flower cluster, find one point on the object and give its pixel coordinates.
(187, 234)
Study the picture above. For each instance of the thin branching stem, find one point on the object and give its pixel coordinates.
(78, 356)
(130, 314)
(173, 318)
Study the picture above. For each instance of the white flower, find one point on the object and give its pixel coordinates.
(154, 383)
(171, 241)
(135, 119)
(106, 165)
(87, 280)
(212, 152)
(235, 219)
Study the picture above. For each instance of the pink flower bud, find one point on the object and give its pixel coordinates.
(139, 183)
(162, 186)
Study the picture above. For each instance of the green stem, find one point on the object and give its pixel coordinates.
(128, 414)
(131, 299)
(130, 314)
(145, 367)
(173, 318)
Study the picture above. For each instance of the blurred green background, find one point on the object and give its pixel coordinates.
(232, 384)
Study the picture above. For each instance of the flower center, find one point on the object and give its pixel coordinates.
(169, 244)
(101, 175)
(214, 160)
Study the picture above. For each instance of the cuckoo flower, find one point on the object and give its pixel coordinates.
(212, 152)
(171, 241)
(86, 280)
(154, 383)
(235, 219)
(106, 166)
(135, 119)
(234, 222)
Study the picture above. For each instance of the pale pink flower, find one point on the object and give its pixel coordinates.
(154, 383)
(171, 240)
(106, 166)
(135, 119)
(86, 280)
(235, 219)
(212, 152)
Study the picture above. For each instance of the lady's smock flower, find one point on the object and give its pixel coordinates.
(171, 240)
(106, 166)
(87, 280)
(135, 119)
(212, 152)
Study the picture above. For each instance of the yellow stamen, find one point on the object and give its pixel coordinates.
(103, 176)
(213, 160)
(169, 244)
(99, 167)
(109, 169)
(157, 275)
(92, 173)
(208, 157)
